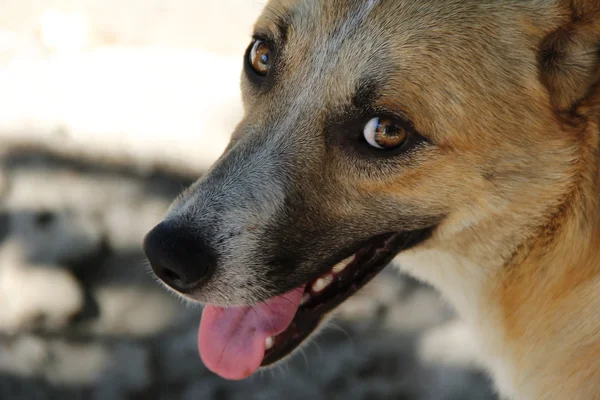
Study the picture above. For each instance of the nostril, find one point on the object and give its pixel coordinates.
(171, 275)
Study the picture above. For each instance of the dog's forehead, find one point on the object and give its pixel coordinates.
(429, 59)
(411, 34)
(312, 18)
(331, 45)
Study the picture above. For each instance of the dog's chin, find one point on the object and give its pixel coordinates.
(326, 292)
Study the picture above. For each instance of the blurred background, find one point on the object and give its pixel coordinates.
(108, 109)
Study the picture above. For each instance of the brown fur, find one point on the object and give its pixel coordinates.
(545, 284)
(549, 296)
(507, 95)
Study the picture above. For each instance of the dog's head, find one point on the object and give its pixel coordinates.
(373, 127)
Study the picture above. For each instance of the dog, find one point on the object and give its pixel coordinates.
(460, 137)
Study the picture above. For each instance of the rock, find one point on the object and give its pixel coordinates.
(35, 186)
(129, 300)
(12, 387)
(454, 383)
(128, 369)
(133, 311)
(367, 302)
(35, 296)
(422, 309)
(178, 356)
(128, 222)
(204, 389)
(23, 356)
(289, 389)
(77, 364)
(3, 183)
(85, 210)
(56, 237)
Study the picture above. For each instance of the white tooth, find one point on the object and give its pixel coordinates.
(305, 298)
(322, 283)
(339, 267)
(269, 342)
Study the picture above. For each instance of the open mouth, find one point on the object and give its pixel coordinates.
(234, 342)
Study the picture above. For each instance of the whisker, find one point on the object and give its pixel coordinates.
(337, 327)
(290, 301)
(258, 316)
(286, 369)
(316, 343)
(305, 358)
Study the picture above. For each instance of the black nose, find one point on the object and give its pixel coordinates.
(178, 257)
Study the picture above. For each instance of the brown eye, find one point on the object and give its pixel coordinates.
(260, 57)
(383, 134)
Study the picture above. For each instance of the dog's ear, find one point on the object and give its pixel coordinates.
(570, 55)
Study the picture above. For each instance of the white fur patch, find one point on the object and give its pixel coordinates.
(458, 279)
(463, 282)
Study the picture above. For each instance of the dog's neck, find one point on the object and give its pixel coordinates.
(532, 304)
(546, 307)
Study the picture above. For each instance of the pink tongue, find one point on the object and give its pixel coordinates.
(232, 340)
